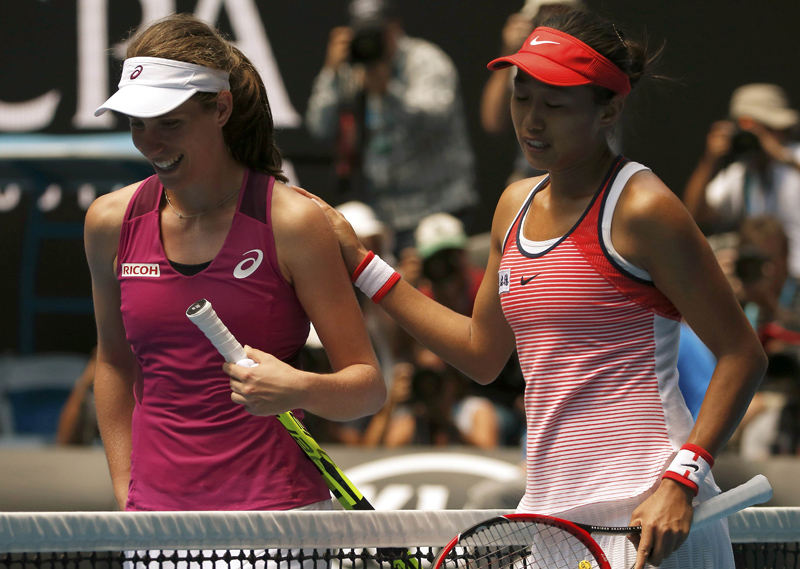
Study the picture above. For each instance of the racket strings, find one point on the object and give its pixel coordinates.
(521, 546)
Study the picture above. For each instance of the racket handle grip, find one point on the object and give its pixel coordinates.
(757, 490)
(206, 319)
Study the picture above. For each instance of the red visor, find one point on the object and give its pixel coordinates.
(556, 58)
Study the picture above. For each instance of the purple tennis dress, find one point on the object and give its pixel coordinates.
(193, 448)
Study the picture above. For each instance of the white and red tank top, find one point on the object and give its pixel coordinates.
(598, 346)
(193, 448)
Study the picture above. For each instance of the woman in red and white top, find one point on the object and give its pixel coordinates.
(597, 262)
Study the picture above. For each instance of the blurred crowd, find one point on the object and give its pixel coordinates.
(745, 195)
(391, 107)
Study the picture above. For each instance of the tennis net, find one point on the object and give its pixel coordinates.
(404, 539)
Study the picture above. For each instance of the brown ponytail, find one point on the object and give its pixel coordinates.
(249, 133)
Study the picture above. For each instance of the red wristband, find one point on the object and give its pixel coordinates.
(680, 479)
(386, 288)
(703, 453)
(361, 266)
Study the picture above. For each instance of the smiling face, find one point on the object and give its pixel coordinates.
(559, 127)
(185, 145)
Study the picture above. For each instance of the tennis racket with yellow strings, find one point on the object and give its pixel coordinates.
(206, 319)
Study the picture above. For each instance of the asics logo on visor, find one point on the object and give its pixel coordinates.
(535, 41)
(137, 71)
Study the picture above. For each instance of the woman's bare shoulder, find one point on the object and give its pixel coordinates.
(511, 201)
(107, 211)
(293, 213)
(646, 200)
(299, 225)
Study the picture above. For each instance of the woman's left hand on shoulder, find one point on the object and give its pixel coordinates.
(267, 389)
(665, 518)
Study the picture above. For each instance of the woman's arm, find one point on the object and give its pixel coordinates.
(477, 346)
(309, 257)
(653, 230)
(672, 249)
(495, 110)
(326, 94)
(116, 367)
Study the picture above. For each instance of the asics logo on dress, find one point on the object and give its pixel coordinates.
(137, 71)
(140, 270)
(535, 41)
(249, 265)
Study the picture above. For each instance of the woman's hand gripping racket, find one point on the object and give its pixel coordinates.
(529, 541)
(203, 315)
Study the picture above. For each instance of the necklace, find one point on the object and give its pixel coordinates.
(180, 215)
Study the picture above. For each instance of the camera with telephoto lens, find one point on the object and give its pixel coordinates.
(442, 265)
(749, 266)
(368, 45)
(743, 142)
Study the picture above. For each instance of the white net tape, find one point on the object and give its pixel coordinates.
(110, 531)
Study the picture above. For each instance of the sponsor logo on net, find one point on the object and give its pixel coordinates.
(427, 480)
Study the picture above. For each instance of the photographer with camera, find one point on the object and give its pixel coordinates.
(751, 168)
(495, 110)
(393, 106)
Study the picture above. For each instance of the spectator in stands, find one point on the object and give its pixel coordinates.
(495, 110)
(77, 424)
(448, 275)
(749, 167)
(762, 271)
(394, 104)
(787, 441)
(451, 279)
(451, 408)
(431, 407)
(769, 426)
(756, 267)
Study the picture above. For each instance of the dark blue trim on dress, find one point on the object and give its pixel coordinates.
(610, 175)
(614, 263)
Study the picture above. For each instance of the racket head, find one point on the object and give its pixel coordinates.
(523, 541)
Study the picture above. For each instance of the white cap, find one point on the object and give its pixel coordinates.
(151, 86)
(439, 231)
(764, 103)
(363, 219)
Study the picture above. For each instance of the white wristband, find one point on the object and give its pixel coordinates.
(690, 466)
(374, 277)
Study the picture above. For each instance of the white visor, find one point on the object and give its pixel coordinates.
(151, 86)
